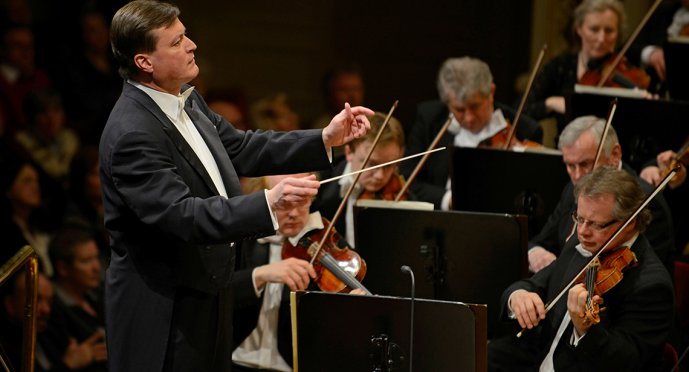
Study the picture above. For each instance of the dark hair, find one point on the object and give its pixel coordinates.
(62, 245)
(131, 31)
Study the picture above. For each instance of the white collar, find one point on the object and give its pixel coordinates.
(465, 138)
(171, 105)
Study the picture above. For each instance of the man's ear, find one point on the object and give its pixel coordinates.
(143, 62)
(348, 152)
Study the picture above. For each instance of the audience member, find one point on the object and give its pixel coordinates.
(274, 113)
(78, 312)
(343, 83)
(50, 355)
(46, 139)
(92, 84)
(18, 75)
(232, 105)
(85, 207)
(21, 220)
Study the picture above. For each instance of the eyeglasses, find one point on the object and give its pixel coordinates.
(595, 226)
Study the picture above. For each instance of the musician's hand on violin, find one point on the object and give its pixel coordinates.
(350, 123)
(576, 305)
(293, 272)
(539, 258)
(555, 104)
(527, 307)
(657, 60)
(358, 291)
(651, 174)
(292, 192)
(665, 163)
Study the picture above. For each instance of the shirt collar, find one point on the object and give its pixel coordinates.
(315, 222)
(465, 138)
(346, 182)
(171, 105)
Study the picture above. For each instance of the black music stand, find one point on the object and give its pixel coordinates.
(341, 332)
(644, 127)
(677, 67)
(497, 181)
(456, 256)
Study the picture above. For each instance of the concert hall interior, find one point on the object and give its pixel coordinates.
(186, 185)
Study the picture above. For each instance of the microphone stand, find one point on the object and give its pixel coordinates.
(408, 270)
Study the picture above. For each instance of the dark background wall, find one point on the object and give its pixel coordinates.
(265, 47)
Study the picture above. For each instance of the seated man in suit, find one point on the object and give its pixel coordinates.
(381, 183)
(579, 143)
(261, 320)
(466, 90)
(639, 308)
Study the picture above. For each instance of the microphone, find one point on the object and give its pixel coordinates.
(406, 269)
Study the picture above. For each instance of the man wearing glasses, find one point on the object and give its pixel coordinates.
(638, 309)
(579, 144)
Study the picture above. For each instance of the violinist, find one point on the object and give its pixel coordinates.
(467, 95)
(639, 307)
(597, 26)
(262, 335)
(579, 143)
(670, 20)
(382, 183)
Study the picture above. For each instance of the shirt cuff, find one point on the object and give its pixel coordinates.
(510, 313)
(329, 153)
(445, 202)
(646, 53)
(534, 247)
(574, 340)
(253, 280)
(273, 217)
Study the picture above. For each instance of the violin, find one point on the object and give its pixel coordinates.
(624, 75)
(389, 191)
(338, 268)
(499, 140)
(602, 275)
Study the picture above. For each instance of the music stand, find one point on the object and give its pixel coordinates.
(341, 332)
(644, 127)
(677, 68)
(456, 256)
(497, 181)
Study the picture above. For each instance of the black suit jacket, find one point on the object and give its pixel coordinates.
(430, 183)
(247, 306)
(660, 232)
(633, 328)
(170, 229)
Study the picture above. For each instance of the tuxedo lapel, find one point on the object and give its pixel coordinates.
(210, 136)
(175, 136)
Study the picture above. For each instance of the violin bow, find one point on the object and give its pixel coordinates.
(431, 148)
(534, 72)
(345, 198)
(620, 55)
(606, 128)
(327, 180)
(605, 246)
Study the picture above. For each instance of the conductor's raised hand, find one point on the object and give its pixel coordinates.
(350, 123)
(292, 192)
(527, 307)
